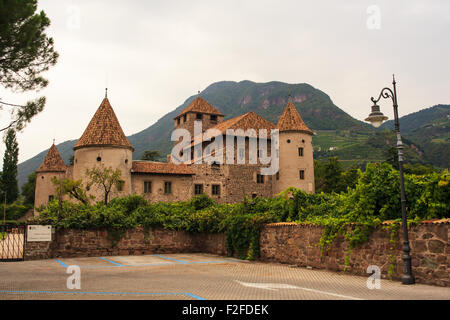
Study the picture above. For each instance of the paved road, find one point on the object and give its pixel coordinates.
(193, 276)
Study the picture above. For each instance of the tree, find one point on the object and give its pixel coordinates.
(73, 188)
(25, 53)
(105, 178)
(28, 189)
(391, 157)
(9, 174)
(151, 155)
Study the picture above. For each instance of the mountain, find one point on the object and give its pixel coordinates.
(430, 130)
(337, 133)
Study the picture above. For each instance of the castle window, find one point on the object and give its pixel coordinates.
(199, 116)
(184, 118)
(50, 198)
(259, 178)
(216, 189)
(99, 159)
(278, 175)
(120, 185)
(167, 187)
(213, 118)
(178, 121)
(300, 152)
(303, 141)
(288, 141)
(241, 153)
(198, 189)
(147, 187)
(126, 160)
(302, 174)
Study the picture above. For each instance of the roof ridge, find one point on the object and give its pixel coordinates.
(104, 129)
(53, 161)
(200, 105)
(291, 120)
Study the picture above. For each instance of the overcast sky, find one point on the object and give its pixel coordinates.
(152, 55)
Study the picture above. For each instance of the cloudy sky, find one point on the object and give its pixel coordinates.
(152, 55)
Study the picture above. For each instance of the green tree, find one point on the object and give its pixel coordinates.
(28, 189)
(332, 175)
(9, 174)
(151, 155)
(25, 53)
(391, 157)
(73, 188)
(106, 179)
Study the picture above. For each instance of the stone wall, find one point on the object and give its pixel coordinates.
(298, 245)
(85, 243)
(283, 242)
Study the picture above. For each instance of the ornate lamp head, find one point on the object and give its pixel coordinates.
(376, 117)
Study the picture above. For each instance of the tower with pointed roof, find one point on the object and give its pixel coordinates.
(296, 163)
(103, 143)
(52, 166)
(198, 110)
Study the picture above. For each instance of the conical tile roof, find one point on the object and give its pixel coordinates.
(200, 105)
(291, 120)
(103, 130)
(52, 162)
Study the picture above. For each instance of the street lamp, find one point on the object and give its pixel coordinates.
(376, 117)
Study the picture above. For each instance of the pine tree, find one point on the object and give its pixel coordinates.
(9, 174)
(25, 53)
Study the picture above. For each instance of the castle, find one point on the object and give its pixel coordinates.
(104, 143)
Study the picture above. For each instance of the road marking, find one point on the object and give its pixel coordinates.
(276, 286)
(104, 293)
(62, 263)
(113, 262)
(164, 257)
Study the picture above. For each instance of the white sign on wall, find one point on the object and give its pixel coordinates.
(39, 233)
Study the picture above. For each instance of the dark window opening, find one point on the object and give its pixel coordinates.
(50, 198)
(254, 195)
(199, 116)
(198, 189)
(259, 178)
(147, 187)
(120, 185)
(216, 189)
(167, 187)
(302, 174)
(184, 118)
(278, 175)
(288, 141)
(300, 152)
(99, 159)
(213, 118)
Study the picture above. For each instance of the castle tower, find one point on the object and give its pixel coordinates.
(103, 143)
(198, 110)
(52, 166)
(296, 166)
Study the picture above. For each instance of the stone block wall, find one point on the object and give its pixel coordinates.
(298, 245)
(282, 242)
(86, 243)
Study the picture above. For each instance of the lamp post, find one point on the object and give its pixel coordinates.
(376, 117)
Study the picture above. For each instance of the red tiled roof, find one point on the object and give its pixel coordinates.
(201, 106)
(161, 168)
(291, 120)
(52, 162)
(104, 129)
(250, 120)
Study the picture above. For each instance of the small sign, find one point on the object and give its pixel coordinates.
(39, 233)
